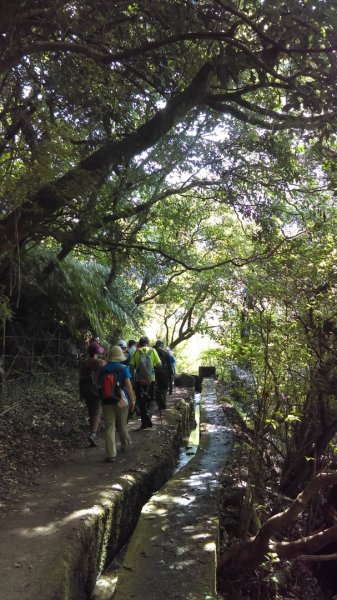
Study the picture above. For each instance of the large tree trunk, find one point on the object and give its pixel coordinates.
(243, 559)
(313, 434)
(51, 198)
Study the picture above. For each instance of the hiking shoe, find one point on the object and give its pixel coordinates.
(93, 440)
(110, 459)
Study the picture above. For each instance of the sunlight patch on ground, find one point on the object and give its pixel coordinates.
(38, 531)
(151, 508)
(117, 486)
(210, 547)
(200, 536)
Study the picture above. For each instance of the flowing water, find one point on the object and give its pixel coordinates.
(191, 443)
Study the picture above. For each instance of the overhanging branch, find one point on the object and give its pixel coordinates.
(237, 262)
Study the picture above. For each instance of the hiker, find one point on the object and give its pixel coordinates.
(132, 346)
(144, 361)
(123, 346)
(113, 413)
(95, 342)
(163, 374)
(172, 359)
(89, 373)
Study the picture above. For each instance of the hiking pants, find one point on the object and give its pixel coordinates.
(94, 413)
(113, 415)
(161, 393)
(145, 401)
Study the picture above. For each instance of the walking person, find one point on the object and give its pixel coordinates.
(132, 346)
(164, 374)
(114, 414)
(123, 346)
(90, 370)
(144, 361)
(173, 367)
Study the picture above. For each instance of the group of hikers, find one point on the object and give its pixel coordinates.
(127, 379)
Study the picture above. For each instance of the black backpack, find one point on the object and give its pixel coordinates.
(89, 389)
(163, 371)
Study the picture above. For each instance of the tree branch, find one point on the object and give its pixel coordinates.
(288, 121)
(52, 197)
(311, 543)
(248, 555)
(238, 261)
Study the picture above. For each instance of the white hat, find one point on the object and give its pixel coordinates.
(122, 343)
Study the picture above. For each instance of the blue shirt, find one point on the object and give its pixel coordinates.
(127, 358)
(123, 373)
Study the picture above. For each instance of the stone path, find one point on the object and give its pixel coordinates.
(58, 537)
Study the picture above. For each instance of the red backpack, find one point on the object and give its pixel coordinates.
(110, 390)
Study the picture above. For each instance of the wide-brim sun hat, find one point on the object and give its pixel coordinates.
(115, 354)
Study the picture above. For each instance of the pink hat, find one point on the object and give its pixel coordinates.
(96, 347)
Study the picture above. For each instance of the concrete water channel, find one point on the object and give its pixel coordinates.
(172, 553)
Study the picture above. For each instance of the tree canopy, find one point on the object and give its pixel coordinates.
(109, 108)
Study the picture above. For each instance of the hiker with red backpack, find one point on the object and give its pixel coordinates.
(89, 374)
(144, 361)
(117, 398)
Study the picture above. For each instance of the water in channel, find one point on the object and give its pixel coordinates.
(190, 443)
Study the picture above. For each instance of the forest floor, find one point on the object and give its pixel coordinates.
(39, 424)
(43, 423)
